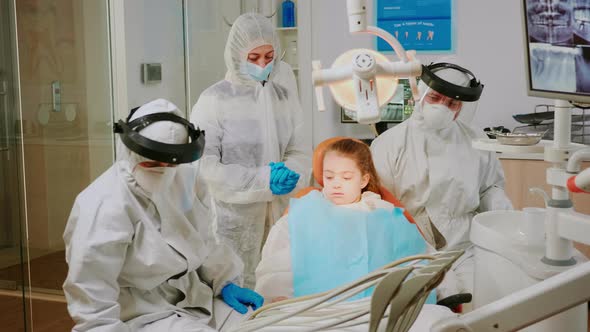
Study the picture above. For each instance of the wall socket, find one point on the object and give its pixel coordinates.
(151, 73)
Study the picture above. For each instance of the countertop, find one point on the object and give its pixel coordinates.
(525, 156)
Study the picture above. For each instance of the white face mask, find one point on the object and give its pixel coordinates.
(437, 116)
(154, 179)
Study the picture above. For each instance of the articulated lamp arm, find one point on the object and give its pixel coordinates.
(364, 69)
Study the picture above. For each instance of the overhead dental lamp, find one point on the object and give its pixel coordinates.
(363, 80)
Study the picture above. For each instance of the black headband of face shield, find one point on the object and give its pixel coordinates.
(470, 93)
(163, 152)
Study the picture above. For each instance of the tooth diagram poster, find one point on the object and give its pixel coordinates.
(421, 25)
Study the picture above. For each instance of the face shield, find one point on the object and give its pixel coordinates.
(159, 149)
(448, 93)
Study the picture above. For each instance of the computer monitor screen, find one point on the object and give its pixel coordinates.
(398, 109)
(557, 43)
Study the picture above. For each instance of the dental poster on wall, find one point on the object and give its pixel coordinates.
(421, 25)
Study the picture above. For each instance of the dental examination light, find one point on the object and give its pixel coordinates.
(363, 80)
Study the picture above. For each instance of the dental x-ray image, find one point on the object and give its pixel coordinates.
(559, 45)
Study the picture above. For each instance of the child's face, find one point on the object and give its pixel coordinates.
(343, 180)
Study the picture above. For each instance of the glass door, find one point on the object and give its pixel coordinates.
(12, 272)
(55, 139)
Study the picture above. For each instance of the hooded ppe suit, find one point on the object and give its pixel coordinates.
(249, 124)
(138, 248)
(429, 164)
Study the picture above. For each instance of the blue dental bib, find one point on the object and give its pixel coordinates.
(333, 245)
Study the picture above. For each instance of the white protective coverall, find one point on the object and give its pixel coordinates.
(439, 177)
(142, 257)
(248, 125)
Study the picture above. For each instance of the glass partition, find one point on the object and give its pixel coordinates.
(56, 138)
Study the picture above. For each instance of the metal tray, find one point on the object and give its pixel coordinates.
(538, 118)
(518, 138)
(534, 118)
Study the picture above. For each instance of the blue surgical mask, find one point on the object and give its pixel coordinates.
(258, 73)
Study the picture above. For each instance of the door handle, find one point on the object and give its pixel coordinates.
(4, 96)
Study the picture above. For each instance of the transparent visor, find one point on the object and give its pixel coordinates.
(463, 110)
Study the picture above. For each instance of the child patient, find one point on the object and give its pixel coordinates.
(351, 182)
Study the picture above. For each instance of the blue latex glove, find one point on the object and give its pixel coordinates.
(290, 183)
(285, 186)
(239, 298)
(278, 189)
(282, 179)
(282, 174)
(278, 172)
(292, 178)
(276, 165)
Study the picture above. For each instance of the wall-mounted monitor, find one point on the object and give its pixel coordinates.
(557, 45)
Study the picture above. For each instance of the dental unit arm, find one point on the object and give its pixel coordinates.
(525, 307)
(363, 71)
(563, 225)
(579, 183)
(540, 301)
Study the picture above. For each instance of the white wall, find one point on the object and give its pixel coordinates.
(330, 38)
(489, 42)
(154, 33)
(207, 35)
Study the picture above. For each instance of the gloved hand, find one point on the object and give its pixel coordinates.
(239, 298)
(282, 179)
(283, 175)
(278, 172)
(289, 184)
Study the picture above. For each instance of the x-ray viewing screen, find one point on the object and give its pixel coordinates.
(558, 48)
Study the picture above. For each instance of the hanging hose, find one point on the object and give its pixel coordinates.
(329, 310)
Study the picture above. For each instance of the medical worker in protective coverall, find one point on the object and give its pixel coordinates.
(254, 155)
(137, 240)
(429, 164)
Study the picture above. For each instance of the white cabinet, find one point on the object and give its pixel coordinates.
(288, 36)
(289, 49)
(296, 45)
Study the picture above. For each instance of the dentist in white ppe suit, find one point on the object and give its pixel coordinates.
(429, 164)
(139, 247)
(254, 156)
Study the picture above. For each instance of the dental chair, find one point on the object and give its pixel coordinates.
(453, 302)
